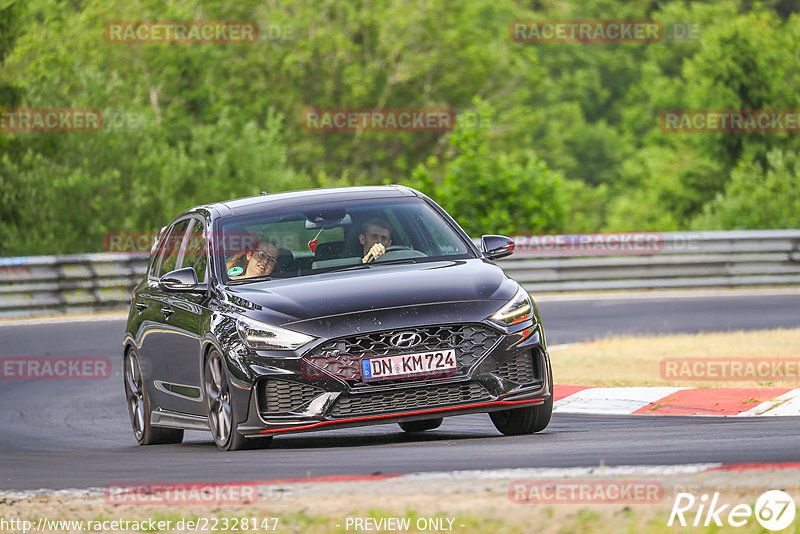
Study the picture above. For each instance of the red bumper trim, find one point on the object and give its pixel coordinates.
(354, 419)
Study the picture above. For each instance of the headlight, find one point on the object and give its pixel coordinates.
(258, 335)
(517, 310)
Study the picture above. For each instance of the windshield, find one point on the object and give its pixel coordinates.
(309, 240)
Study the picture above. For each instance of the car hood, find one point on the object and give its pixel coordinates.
(371, 293)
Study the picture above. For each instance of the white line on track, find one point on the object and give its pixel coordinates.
(527, 473)
(32, 321)
(567, 472)
(666, 294)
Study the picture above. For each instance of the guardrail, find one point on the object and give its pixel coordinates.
(668, 260)
(37, 285)
(90, 282)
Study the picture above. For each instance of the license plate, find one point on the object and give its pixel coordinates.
(408, 364)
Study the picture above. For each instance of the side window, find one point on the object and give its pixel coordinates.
(171, 248)
(195, 253)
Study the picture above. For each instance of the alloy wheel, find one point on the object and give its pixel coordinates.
(219, 401)
(133, 385)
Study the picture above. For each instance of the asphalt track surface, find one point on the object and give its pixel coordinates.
(76, 434)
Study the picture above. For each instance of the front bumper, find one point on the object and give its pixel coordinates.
(513, 373)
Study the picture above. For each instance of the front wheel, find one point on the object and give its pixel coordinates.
(519, 421)
(422, 426)
(220, 409)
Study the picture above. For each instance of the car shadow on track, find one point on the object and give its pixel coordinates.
(389, 437)
(376, 437)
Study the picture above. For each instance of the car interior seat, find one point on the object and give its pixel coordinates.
(287, 265)
(328, 251)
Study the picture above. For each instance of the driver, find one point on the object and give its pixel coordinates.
(375, 236)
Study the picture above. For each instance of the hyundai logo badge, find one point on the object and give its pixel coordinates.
(405, 340)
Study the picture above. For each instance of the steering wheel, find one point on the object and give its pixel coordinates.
(395, 248)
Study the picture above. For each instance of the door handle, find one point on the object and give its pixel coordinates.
(166, 312)
(141, 306)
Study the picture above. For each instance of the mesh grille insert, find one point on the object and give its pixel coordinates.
(280, 396)
(408, 399)
(518, 369)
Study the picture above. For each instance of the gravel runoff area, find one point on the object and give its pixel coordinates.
(465, 501)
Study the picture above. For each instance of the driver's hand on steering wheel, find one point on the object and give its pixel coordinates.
(377, 250)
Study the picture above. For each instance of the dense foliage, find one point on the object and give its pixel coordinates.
(560, 137)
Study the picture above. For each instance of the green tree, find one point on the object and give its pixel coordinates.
(757, 196)
(491, 193)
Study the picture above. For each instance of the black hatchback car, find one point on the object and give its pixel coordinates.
(325, 309)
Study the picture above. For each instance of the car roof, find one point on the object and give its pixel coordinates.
(254, 204)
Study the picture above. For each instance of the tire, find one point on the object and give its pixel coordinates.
(421, 426)
(220, 409)
(139, 407)
(520, 421)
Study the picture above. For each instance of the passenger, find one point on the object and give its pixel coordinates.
(260, 261)
(375, 236)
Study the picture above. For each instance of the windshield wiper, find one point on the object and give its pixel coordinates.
(394, 262)
(350, 268)
(371, 264)
(248, 280)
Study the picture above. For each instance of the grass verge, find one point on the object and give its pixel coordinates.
(635, 361)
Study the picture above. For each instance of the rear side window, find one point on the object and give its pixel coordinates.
(170, 248)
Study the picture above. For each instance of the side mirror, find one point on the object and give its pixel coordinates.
(497, 246)
(179, 280)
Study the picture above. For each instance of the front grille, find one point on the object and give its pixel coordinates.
(281, 396)
(518, 369)
(409, 399)
(340, 357)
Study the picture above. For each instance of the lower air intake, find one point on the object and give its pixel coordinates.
(409, 399)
